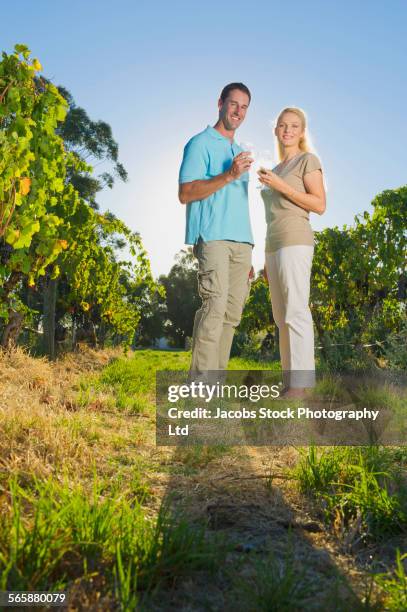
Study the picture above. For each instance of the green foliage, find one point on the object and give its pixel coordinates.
(395, 348)
(318, 472)
(182, 298)
(358, 286)
(243, 344)
(152, 320)
(257, 336)
(257, 315)
(34, 195)
(360, 488)
(99, 284)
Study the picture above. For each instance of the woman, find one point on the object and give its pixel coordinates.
(296, 188)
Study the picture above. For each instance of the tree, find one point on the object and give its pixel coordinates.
(359, 276)
(257, 314)
(257, 330)
(182, 298)
(152, 319)
(46, 227)
(91, 142)
(33, 167)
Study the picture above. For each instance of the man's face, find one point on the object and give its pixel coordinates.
(233, 110)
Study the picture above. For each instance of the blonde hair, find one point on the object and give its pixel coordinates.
(304, 144)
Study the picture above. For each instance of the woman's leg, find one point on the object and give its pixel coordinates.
(293, 266)
(278, 308)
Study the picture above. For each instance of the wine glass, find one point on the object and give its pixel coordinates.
(264, 159)
(248, 147)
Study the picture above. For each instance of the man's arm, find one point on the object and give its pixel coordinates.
(201, 189)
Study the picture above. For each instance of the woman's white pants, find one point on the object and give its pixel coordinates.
(289, 273)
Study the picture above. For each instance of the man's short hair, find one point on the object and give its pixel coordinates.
(228, 88)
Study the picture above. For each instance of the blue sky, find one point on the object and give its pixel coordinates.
(154, 71)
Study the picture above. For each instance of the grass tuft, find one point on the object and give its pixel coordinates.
(277, 584)
(55, 533)
(360, 489)
(394, 585)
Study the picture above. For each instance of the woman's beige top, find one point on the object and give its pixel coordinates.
(287, 223)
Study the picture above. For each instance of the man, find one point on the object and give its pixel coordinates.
(214, 186)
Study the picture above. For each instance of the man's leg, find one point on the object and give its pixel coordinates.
(213, 273)
(239, 287)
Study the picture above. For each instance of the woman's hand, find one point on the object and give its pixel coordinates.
(267, 177)
(314, 198)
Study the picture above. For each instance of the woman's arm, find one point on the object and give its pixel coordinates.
(314, 200)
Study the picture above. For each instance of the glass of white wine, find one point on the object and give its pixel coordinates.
(264, 159)
(248, 147)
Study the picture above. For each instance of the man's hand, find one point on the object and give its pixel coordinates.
(241, 163)
(201, 189)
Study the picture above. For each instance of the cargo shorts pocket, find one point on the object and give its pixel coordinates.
(208, 284)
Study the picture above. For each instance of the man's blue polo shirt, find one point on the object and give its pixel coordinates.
(225, 214)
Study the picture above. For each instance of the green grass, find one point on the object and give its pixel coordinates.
(130, 382)
(276, 585)
(238, 363)
(362, 491)
(197, 457)
(329, 386)
(55, 533)
(394, 584)
(363, 485)
(364, 393)
(284, 585)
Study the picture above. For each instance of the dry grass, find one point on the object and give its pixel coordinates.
(43, 428)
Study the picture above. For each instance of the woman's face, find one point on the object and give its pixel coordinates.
(289, 130)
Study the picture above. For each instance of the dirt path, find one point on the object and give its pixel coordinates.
(236, 498)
